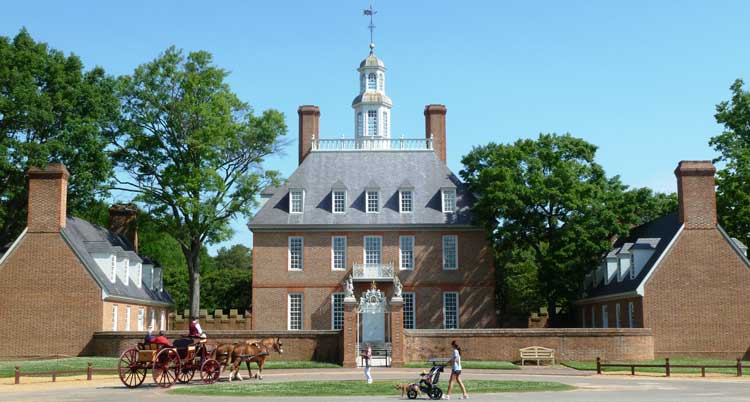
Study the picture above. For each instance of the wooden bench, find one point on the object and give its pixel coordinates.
(537, 353)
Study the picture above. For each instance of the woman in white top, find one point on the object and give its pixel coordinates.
(455, 362)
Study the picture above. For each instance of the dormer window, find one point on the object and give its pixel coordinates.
(113, 264)
(339, 201)
(449, 200)
(372, 81)
(296, 200)
(406, 201)
(372, 198)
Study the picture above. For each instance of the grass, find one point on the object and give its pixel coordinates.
(591, 365)
(7, 368)
(471, 364)
(355, 388)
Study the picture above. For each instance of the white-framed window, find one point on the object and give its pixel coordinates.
(406, 252)
(373, 201)
(113, 263)
(372, 81)
(339, 201)
(381, 81)
(295, 309)
(163, 321)
(296, 201)
(141, 318)
(605, 316)
(114, 317)
(617, 315)
(337, 310)
(385, 123)
(632, 266)
(127, 318)
(153, 318)
(138, 274)
(410, 318)
(450, 252)
(631, 315)
(450, 310)
(296, 253)
(406, 201)
(360, 124)
(373, 249)
(593, 317)
(372, 122)
(449, 200)
(338, 252)
(127, 272)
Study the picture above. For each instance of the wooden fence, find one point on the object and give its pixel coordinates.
(90, 370)
(668, 367)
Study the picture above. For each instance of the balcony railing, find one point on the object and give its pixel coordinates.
(373, 272)
(371, 144)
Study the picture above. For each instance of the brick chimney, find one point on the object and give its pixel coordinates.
(309, 126)
(696, 194)
(48, 198)
(434, 124)
(123, 222)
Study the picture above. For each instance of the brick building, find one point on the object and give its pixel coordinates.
(377, 214)
(64, 278)
(680, 275)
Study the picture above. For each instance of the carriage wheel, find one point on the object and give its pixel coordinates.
(132, 373)
(186, 373)
(166, 368)
(210, 371)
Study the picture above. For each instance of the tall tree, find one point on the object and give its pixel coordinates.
(733, 179)
(50, 110)
(192, 151)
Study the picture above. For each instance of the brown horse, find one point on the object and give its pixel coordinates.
(244, 352)
(266, 345)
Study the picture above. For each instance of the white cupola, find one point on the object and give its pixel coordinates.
(372, 107)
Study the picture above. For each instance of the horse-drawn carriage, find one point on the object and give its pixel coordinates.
(168, 364)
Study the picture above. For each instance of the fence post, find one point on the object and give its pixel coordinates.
(598, 365)
(739, 367)
(18, 375)
(632, 370)
(89, 371)
(54, 376)
(667, 366)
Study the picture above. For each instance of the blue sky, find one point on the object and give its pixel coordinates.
(640, 79)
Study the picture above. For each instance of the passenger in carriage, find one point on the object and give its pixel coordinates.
(159, 340)
(195, 329)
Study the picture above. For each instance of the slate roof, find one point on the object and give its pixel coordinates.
(358, 170)
(658, 232)
(87, 239)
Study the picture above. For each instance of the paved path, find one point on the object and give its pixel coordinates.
(609, 388)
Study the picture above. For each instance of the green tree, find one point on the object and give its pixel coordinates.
(50, 110)
(733, 179)
(230, 281)
(192, 151)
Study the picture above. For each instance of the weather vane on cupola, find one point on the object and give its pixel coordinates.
(371, 12)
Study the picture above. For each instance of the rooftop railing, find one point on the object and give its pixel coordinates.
(371, 144)
(373, 272)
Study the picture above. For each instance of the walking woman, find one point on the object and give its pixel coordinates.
(455, 362)
(366, 357)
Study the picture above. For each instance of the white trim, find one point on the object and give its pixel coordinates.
(413, 307)
(458, 311)
(641, 287)
(605, 316)
(127, 318)
(614, 296)
(401, 201)
(367, 201)
(162, 320)
(733, 245)
(289, 254)
(13, 246)
(364, 248)
(453, 268)
(442, 199)
(114, 317)
(333, 310)
(333, 253)
(333, 201)
(289, 311)
(400, 255)
(141, 318)
(302, 206)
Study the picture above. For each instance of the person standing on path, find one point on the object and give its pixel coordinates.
(366, 357)
(455, 362)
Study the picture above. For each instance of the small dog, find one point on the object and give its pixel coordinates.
(404, 388)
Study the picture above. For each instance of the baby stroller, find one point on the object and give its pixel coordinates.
(429, 386)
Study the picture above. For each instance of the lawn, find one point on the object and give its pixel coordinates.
(471, 364)
(355, 388)
(7, 368)
(591, 365)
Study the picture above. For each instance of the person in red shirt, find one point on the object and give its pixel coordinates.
(159, 340)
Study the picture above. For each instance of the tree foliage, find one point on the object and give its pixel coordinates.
(192, 151)
(733, 179)
(50, 110)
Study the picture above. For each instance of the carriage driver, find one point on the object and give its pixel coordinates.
(195, 329)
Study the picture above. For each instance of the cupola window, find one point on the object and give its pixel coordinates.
(372, 122)
(372, 81)
(359, 124)
(381, 82)
(385, 124)
(362, 83)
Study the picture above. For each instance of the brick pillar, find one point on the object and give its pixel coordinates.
(397, 332)
(696, 194)
(434, 124)
(48, 198)
(309, 126)
(350, 333)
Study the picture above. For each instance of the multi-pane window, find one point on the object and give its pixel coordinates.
(381, 81)
(141, 317)
(339, 201)
(338, 252)
(296, 200)
(617, 315)
(406, 201)
(113, 264)
(373, 201)
(409, 316)
(337, 311)
(296, 245)
(372, 81)
(153, 318)
(295, 311)
(360, 124)
(373, 249)
(127, 318)
(372, 122)
(631, 315)
(362, 83)
(385, 123)
(138, 274)
(114, 317)
(449, 200)
(450, 252)
(163, 321)
(593, 317)
(406, 248)
(450, 310)
(605, 316)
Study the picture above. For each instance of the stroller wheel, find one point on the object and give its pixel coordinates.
(411, 394)
(435, 393)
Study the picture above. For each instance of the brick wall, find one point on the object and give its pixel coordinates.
(297, 345)
(218, 321)
(55, 302)
(696, 300)
(272, 280)
(503, 344)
